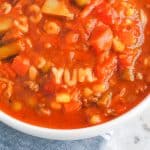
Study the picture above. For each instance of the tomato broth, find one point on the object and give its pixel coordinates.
(73, 63)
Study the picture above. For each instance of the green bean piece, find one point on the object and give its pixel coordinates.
(9, 50)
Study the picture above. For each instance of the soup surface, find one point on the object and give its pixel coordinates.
(73, 63)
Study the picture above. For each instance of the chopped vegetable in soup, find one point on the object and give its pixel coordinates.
(73, 63)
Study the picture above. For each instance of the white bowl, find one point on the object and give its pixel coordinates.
(74, 134)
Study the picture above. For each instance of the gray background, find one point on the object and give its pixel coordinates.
(11, 139)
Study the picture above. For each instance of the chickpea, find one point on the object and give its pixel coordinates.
(35, 12)
(22, 24)
(51, 27)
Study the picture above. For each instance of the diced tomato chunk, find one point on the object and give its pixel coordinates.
(9, 71)
(101, 39)
(129, 58)
(128, 38)
(36, 57)
(6, 71)
(90, 7)
(131, 35)
(106, 18)
(73, 106)
(51, 87)
(105, 13)
(20, 65)
(105, 70)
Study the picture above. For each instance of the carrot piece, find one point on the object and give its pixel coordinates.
(73, 106)
(20, 65)
(101, 39)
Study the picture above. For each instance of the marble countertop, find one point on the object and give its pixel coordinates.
(132, 135)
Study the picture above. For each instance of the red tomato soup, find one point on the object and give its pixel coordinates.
(73, 63)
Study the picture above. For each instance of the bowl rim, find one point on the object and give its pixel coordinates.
(73, 134)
